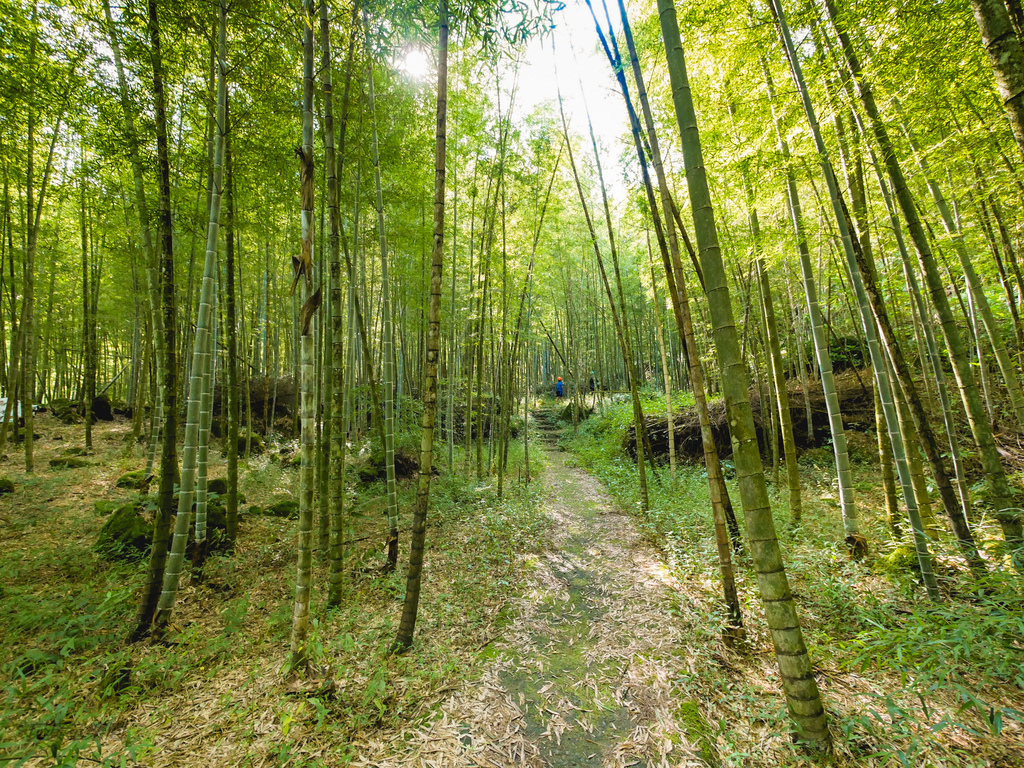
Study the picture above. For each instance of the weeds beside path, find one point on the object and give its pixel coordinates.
(583, 674)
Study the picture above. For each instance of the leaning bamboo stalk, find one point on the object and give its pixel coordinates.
(802, 695)
(200, 358)
(419, 529)
(675, 280)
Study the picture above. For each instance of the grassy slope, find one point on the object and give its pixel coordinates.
(72, 693)
(906, 683)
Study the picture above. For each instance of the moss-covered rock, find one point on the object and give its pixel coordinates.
(132, 479)
(903, 559)
(406, 465)
(583, 412)
(68, 462)
(254, 443)
(102, 409)
(216, 516)
(6, 485)
(283, 508)
(125, 536)
(65, 410)
(218, 485)
(106, 507)
(369, 473)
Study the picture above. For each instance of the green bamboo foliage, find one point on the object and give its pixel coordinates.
(844, 473)
(802, 696)
(200, 356)
(1002, 497)
(388, 333)
(303, 274)
(921, 544)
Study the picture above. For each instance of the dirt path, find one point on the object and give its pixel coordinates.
(582, 675)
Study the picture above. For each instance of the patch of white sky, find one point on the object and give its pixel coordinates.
(573, 53)
(569, 57)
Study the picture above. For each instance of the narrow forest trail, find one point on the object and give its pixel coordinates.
(582, 673)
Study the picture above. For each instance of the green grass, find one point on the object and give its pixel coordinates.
(921, 684)
(71, 692)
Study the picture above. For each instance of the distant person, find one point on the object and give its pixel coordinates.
(559, 389)
(593, 382)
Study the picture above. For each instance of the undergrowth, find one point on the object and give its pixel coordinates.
(907, 682)
(73, 693)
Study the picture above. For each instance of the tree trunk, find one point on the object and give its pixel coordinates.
(303, 273)
(163, 326)
(200, 356)
(410, 606)
(802, 696)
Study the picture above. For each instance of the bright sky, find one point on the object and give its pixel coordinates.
(578, 60)
(578, 57)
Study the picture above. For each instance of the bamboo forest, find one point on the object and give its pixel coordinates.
(542, 383)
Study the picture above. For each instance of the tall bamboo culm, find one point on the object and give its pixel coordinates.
(802, 695)
(303, 275)
(200, 356)
(433, 343)
(388, 331)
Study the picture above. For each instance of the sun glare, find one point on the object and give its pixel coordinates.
(415, 63)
